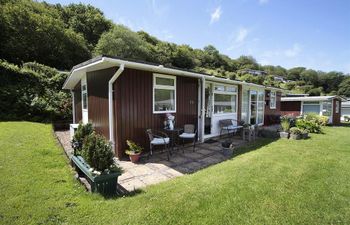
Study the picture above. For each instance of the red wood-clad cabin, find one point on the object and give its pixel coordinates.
(123, 98)
(323, 105)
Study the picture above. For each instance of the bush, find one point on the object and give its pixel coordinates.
(79, 136)
(320, 120)
(296, 131)
(310, 125)
(97, 152)
(291, 119)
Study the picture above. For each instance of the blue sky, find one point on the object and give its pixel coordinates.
(310, 33)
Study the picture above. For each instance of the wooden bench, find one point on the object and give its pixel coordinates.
(228, 125)
(104, 183)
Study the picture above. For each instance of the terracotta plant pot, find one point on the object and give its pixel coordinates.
(284, 135)
(134, 158)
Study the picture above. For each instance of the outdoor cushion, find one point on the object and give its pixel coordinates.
(231, 127)
(187, 135)
(160, 141)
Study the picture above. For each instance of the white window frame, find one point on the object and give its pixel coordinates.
(337, 106)
(273, 103)
(225, 93)
(85, 114)
(163, 87)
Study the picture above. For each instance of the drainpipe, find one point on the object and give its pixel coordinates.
(203, 110)
(110, 104)
(73, 105)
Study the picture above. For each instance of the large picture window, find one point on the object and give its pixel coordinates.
(272, 100)
(164, 93)
(224, 99)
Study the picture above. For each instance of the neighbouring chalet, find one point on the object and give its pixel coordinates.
(123, 98)
(323, 105)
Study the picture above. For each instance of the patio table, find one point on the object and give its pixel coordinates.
(173, 134)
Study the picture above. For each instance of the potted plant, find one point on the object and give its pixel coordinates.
(227, 148)
(285, 128)
(295, 133)
(305, 133)
(134, 151)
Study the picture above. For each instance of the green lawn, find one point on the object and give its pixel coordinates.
(282, 182)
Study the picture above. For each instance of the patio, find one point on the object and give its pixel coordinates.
(157, 168)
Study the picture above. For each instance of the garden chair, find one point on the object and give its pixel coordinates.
(158, 138)
(189, 133)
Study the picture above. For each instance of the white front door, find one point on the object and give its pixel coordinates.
(220, 104)
(84, 100)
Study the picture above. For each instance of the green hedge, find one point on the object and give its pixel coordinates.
(33, 92)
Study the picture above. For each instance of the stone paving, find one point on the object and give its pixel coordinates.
(157, 168)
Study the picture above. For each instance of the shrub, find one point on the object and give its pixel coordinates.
(285, 125)
(97, 152)
(320, 120)
(133, 148)
(79, 136)
(291, 119)
(296, 131)
(310, 125)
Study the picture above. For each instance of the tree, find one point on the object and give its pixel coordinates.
(183, 57)
(330, 81)
(85, 20)
(247, 62)
(122, 42)
(310, 77)
(344, 87)
(32, 31)
(294, 73)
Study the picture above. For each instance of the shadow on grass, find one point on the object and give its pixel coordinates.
(261, 142)
(122, 193)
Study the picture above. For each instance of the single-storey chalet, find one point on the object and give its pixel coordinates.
(123, 98)
(323, 105)
(345, 110)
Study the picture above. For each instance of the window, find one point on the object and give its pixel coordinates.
(224, 103)
(164, 93)
(224, 99)
(336, 106)
(261, 107)
(272, 100)
(84, 96)
(311, 107)
(327, 108)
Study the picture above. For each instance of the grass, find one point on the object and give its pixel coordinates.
(281, 182)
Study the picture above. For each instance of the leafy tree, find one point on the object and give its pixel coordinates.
(122, 42)
(309, 76)
(247, 62)
(85, 20)
(33, 31)
(294, 73)
(344, 87)
(315, 91)
(183, 57)
(330, 81)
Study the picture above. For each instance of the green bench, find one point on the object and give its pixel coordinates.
(105, 183)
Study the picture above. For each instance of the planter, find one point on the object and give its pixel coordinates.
(295, 136)
(134, 158)
(284, 135)
(106, 184)
(227, 148)
(305, 135)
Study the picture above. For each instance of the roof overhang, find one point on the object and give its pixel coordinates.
(104, 62)
(311, 98)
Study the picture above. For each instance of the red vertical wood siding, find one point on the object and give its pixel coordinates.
(291, 108)
(271, 115)
(77, 103)
(133, 107)
(97, 88)
(336, 116)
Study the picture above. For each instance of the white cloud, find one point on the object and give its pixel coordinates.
(215, 16)
(261, 2)
(158, 9)
(294, 51)
(239, 38)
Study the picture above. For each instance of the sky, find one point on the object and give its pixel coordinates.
(310, 33)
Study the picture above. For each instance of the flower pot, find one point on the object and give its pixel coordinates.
(305, 135)
(227, 148)
(295, 136)
(134, 158)
(284, 135)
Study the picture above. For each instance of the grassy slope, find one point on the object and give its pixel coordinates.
(285, 182)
